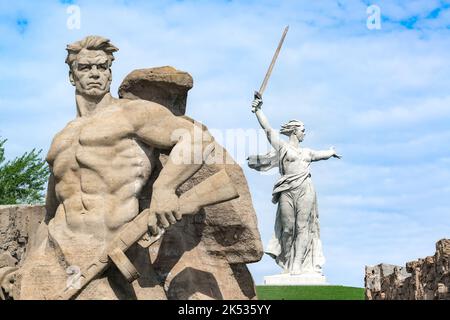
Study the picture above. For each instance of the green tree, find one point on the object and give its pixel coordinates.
(23, 179)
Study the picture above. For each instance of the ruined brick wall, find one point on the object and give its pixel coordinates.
(423, 279)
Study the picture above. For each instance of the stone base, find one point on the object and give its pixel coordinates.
(307, 279)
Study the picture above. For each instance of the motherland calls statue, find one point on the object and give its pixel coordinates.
(296, 245)
(117, 171)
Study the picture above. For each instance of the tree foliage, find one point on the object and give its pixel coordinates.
(23, 179)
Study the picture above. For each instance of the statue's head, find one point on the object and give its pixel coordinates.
(90, 62)
(294, 127)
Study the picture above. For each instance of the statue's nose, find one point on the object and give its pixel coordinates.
(94, 72)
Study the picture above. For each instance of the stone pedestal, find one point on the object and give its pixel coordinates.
(307, 279)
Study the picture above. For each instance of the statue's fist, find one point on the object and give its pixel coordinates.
(164, 211)
(256, 104)
(335, 155)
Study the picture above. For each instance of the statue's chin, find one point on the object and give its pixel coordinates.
(94, 93)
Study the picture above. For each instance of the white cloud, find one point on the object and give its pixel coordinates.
(379, 96)
(412, 113)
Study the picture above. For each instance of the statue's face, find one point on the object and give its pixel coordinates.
(300, 133)
(91, 73)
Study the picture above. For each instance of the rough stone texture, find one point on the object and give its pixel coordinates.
(163, 85)
(207, 252)
(18, 223)
(423, 279)
(203, 255)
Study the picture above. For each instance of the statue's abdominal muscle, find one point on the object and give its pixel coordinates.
(99, 178)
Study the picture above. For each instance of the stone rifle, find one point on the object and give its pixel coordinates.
(215, 189)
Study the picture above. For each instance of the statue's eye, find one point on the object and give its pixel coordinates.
(83, 67)
(102, 67)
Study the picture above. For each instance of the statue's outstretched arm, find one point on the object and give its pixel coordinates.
(272, 135)
(324, 154)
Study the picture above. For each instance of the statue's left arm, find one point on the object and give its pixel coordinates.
(324, 154)
(156, 126)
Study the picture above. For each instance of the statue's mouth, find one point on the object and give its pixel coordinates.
(95, 84)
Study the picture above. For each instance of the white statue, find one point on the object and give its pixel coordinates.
(296, 245)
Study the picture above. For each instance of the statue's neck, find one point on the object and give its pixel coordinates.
(87, 105)
(293, 141)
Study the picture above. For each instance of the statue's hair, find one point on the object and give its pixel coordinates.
(288, 128)
(90, 43)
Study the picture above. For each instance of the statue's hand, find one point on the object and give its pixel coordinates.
(256, 104)
(164, 210)
(335, 155)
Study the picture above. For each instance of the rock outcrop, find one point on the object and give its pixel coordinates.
(423, 279)
(205, 255)
(163, 85)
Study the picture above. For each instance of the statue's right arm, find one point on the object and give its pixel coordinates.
(156, 126)
(272, 135)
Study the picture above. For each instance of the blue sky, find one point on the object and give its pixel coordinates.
(381, 97)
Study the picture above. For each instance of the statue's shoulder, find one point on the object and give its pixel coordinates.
(69, 128)
(63, 139)
(306, 150)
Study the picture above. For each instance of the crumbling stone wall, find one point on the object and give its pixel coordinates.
(17, 223)
(423, 279)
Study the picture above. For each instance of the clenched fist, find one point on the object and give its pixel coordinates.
(256, 104)
(164, 210)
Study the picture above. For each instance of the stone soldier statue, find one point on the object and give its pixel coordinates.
(296, 245)
(99, 164)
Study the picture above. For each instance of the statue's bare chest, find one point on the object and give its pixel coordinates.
(104, 129)
(297, 156)
(92, 142)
